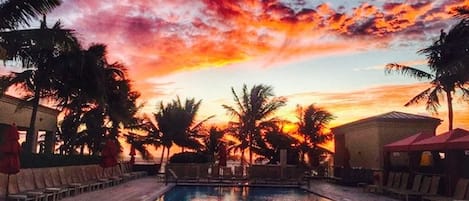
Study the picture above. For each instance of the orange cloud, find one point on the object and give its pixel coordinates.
(355, 105)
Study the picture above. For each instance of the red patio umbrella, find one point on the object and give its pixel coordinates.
(109, 154)
(406, 143)
(132, 154)
(222, 155)
(9, 153)
(439, 142)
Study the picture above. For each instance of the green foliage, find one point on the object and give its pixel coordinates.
(189, 157)
(28, 160)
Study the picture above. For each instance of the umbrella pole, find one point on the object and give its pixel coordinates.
(8, 182)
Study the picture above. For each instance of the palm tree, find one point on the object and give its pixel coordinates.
(449, 70)
(36, 49)
(311, 125)
(212, 141)
(272, 142)
(253, 110)
(14, 13)
(176, 122)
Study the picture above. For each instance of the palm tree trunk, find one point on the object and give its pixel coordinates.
(31, 135)
(167, 155)
(162, 155)
(242, 157)
(449, 99)
(250, 149)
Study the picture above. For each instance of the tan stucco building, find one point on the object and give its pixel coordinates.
(364, 139)
(46, 120)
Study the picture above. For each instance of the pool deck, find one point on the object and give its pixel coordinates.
(150, 188)
(144, 189)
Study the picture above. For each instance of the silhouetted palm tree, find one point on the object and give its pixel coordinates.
(311, 125)
(212, 141)
(14, 13)
(176, 122)
(36, 49)
(254, 108)
(448, 61)
(272, 142)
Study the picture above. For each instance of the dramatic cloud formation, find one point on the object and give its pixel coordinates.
(156, 38)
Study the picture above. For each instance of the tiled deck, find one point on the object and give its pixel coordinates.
(149, 188)
(344, 193)
(144, 189)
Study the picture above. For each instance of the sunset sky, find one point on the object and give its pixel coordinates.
(331, 53)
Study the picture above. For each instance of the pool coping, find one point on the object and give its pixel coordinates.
(305, 188)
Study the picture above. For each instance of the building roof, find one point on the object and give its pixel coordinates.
(392, 116)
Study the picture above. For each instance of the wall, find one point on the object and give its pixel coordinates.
(46, 119)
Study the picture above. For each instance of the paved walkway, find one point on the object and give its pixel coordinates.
(144, 189)
(344, 193)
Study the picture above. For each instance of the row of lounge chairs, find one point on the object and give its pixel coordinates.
(54, 183)
(422, 187)
(255, 174)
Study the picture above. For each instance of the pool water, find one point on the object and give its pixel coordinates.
(217, 193)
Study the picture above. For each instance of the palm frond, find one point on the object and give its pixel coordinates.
(409, 71)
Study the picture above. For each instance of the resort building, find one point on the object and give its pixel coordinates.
(360, 143)
(46, 122)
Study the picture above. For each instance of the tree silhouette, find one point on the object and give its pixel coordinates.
(449, 70)
(253, 110)
(311, 125)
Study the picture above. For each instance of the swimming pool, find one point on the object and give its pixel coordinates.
(217, 193)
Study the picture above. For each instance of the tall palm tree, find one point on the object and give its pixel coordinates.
(14, 13)
(448, 61)
(311, 125)
(35, 49)
(254, 108)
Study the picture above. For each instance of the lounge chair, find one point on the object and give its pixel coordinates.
(429, 186)
(203, 172)
(377, 188)
(227, 173)
(239, 173)
(66, 179)
(416, 184)
(44, 184)
(399, 184)
(14, 192)
(214, 173)
(459, 192)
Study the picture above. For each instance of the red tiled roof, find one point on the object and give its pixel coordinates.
(404, 144)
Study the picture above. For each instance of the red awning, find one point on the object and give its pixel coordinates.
(459, 143)
(404, 144)
(439, 142)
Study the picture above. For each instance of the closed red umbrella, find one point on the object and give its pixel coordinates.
(222, 155)
(109, 154)
(132, 154)
(9, 152)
